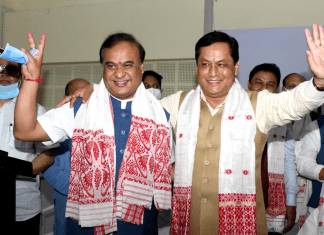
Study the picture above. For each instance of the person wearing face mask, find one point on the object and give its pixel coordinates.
(28, 203)
(152, 82)
(293, 146)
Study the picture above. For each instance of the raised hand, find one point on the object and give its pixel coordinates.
(33, 68)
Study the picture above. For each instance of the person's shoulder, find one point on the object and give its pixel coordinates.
(174, 95)
(252, 94)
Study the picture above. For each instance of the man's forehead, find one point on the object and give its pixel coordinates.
(218, 46)
(214, 50)
(295, 78)
(265, 75)
(6, 62)
(122, 47)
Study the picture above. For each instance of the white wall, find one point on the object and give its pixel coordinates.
(286, 47)
(249, 14)
(267, 31)
(167, 29)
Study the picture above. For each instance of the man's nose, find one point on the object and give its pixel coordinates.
(213, 71)
(120, 72)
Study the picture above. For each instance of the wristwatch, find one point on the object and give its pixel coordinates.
(316, 87)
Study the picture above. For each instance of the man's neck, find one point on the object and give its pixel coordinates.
(215, 102)
(2, 102)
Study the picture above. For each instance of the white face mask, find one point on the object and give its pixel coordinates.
(156, 92)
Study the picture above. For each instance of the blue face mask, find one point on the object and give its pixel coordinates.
(13, 54)
(9, 92)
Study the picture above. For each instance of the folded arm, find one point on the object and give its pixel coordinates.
(43, 161)
(306, 159)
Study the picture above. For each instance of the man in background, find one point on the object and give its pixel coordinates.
(153, 83)
(58, 176)
(293, 146)
(279, 179)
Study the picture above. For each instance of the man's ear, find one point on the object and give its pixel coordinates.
(249, 85)
(142, 67)
(236, 66)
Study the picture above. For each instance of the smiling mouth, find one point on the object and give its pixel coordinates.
(121, 84)
(213, 82)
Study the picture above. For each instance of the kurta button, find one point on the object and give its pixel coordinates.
(210, 145)
(206, 162)
(205, 180)
(122, 151)
(204, 200)
(123, 115)
(123, 132)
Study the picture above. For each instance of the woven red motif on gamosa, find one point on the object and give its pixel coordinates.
(237, 214)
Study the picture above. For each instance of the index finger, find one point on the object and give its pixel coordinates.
(42, 42)
(310, 41)
(65, 100)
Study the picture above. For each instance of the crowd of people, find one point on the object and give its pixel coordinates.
(221, 157)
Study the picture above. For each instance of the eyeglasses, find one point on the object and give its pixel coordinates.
(11, 69)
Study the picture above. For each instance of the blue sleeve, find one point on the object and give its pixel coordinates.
(291, 186)
(58, 175)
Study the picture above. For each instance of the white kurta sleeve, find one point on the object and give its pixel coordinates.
(275, 110)
(171, 104)
(306, 159)
(58, 123)
(39, 146)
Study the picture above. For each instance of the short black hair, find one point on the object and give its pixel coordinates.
(154, 74)
(116, 38)
(218, 36)
(285, 79)
(266, 67)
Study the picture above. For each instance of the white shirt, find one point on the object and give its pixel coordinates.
(28, 202)
(306, 159)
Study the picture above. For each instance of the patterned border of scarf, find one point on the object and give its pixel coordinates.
(237, 194)
(145, 169)
(276, 211)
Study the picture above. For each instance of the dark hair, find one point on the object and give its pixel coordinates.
(266, 67)
(116, 38)
(218, 36)
(71, 83)
(284, 80)
(154, 74)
